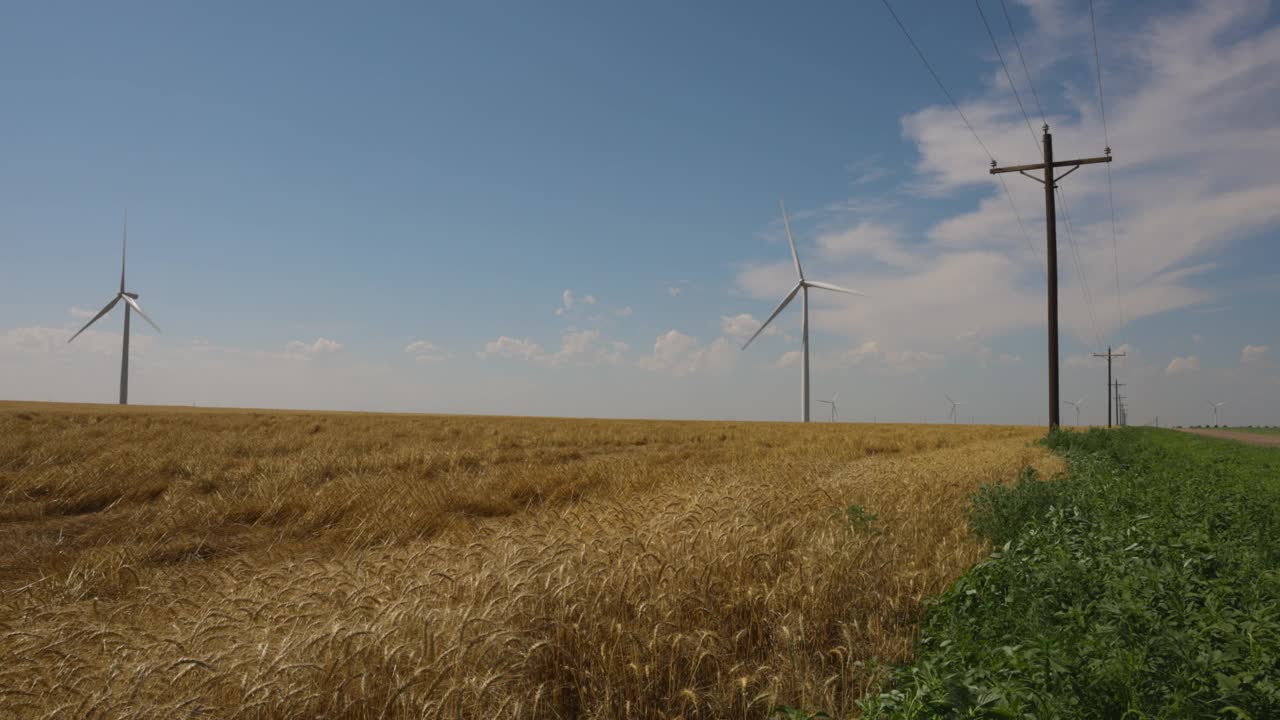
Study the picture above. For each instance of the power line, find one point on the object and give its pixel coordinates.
(1025, 235)
(937, 79)
(1106, 137)
(1022, 58)
(1012, 86)
(967, 124)
(1075, 255)
(1075, 252)
(1097, 64)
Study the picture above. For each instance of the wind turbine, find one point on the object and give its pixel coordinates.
(1076, 405)
(801, 288)
(955, 406)
(130, 304)
(832, 403)
(1215, 409)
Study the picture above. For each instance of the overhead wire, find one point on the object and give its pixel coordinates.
(1075, 252)
(1012, 86)
(1106, 137)
(1022, 59)
(937, 79)
(967, 124)
(1075, 255)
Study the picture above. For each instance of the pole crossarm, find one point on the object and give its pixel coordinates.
(1051, 248)
(1057, 164)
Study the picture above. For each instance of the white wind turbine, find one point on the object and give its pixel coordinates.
(955, 407)
(1215, 406)
(832, 403)
(802, 288)
(1076, 405)
(131, 303)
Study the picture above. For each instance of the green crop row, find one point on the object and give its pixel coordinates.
(1141, 584)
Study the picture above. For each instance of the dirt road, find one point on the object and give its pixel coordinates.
(1244, 437)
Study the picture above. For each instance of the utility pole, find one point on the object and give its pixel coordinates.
(1051, 245)
(1109, 356)
(1118, 397)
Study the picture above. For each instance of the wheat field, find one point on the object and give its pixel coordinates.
(173, 562)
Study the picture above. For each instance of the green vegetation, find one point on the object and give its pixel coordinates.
(1142, 584)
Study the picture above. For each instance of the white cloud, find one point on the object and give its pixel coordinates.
(1183, 365)
(788, 358)
(80, 313)
(866, 240)
(673, 291)
(581, 347)
(623, 312)
(1258, 356)
(321, 346)
(577, 347)
(680, 354)
(741, 326)
(568, 302)
(426, 352)
(1195, 149)
(508, 347)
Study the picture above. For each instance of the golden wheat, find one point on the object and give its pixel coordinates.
(240, 564)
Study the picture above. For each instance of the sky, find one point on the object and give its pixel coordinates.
(571, 208)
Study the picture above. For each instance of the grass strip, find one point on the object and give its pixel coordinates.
(1141, 584)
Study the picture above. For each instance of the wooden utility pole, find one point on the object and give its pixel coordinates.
(1051, 245)
(1119, 403)
(1108, 356)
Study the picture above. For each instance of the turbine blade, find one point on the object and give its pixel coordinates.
(836, 288)
(785, 301)
(786, 222)
(101, 312)
(124, 248)
(948, 397)
(133, 304)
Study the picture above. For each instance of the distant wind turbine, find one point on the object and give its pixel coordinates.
(801, 288)
(131, 303)
(1076, 405)
(1215, 407)
(955, 407)
(832, 403)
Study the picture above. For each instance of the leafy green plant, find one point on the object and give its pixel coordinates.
(1145, 583)
(861, 520)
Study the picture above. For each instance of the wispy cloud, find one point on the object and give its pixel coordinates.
(568, 302)
(321, 346)
(426, 352)
(577, 348)
(1257, 356)
(680, 355)
(1183, 365)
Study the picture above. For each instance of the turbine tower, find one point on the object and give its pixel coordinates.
(802, 288)
(955, 407)
(1076, 405)
(130, 304)
(1215, 406)
(832, 403)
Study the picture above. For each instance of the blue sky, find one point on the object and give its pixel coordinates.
(383, 206)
